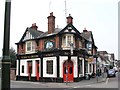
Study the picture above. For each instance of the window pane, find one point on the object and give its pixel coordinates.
(22, 69)
(65, 70)
(71, 71)
(50, 67)
(29, 46)
(33, 46)
(80, 66)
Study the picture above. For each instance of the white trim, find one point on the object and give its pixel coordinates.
(24, 62)
(17, 66)
(62, 60)
(45, 59)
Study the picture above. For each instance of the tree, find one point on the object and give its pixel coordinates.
(13, 57)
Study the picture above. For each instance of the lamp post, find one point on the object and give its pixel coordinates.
(5, 85)
(69, 57)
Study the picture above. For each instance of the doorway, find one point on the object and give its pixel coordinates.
(37, 70)
(29, 69)
(68, 71)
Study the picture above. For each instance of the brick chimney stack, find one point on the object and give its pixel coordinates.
(69, 19)
(85, 30)
(51, 23)
(34, 26)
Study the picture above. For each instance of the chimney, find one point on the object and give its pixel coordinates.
(51, 23)
(34, 26)
(69, 19)
(85, 30)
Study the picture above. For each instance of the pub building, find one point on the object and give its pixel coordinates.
(58, 55)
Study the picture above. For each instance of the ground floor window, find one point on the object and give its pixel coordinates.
(50, 67)
(22, 68)
(81, 68)
(90, 68)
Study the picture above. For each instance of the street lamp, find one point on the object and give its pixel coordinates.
(5, 85)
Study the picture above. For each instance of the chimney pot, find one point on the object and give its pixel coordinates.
(69, 19)
(34, 26)
(51, 14)
(85, 30)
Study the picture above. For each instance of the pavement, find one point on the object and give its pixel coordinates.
(82, 83)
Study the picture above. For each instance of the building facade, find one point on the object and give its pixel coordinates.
(58, 55)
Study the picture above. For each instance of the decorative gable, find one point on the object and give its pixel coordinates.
(28, 36)
(69, 29)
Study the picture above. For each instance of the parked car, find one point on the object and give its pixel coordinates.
(111, 73)
(116, 69)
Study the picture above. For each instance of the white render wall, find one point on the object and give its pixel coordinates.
(81, 75)
(54, 67)
(24, 62)
(74, 60)
(62, 60)
(83, 66)
(17, 67)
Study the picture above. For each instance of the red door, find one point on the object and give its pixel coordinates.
(29, 70)
(68, 71)
(37, 70)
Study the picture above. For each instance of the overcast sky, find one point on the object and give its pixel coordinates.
(98, 16)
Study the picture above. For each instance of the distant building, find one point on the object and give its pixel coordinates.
(58, 55)
(107, 57)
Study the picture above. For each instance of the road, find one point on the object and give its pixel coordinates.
(92, 83)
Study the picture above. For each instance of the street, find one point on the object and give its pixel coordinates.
(92, 83)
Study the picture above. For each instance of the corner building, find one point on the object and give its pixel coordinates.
(58, 55)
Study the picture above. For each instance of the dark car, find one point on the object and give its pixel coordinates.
(111, 73)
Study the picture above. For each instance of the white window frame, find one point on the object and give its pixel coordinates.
(66, 39)
(32, 46)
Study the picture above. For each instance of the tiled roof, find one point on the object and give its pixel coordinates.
(57, 30)
(35, 33)
(87, 35)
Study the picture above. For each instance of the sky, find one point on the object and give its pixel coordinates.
(98, 16)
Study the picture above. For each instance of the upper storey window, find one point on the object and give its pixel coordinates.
(30, 46)
(68, 39)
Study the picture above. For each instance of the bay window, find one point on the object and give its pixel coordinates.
(67, 39)
(30, 46)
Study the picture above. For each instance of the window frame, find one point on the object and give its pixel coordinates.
(49, 66)
(31, 46)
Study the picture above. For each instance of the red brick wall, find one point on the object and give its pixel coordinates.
(41, 44)
(12, 74)
(20, 49)
(57, 41)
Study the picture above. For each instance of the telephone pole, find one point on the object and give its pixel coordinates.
(5, 85)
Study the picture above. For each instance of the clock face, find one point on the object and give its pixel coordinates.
(89, 46)
(49, 45)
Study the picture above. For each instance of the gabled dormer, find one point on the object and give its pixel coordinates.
(28, 43)
(69, 35)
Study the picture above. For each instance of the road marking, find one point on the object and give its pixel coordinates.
(81, 86)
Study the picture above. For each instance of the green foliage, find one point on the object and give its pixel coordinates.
(13, 57)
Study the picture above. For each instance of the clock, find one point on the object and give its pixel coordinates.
(89, 46)
(49, 45)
